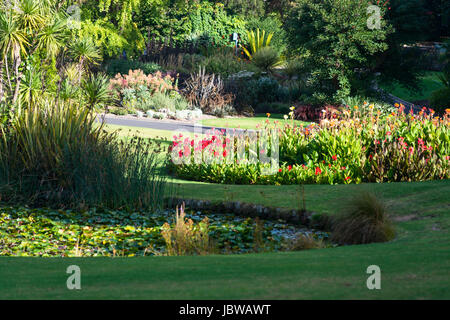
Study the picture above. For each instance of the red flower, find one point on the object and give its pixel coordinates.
(192, 143)
(347, 178)
(279, 170)
(334, 157)
(318, 171)
(180, 153)
(289, 167)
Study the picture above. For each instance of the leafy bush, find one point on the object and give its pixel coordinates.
(364, 220)
(267, 89)
(148, 92)
(123, 66)
(225, 63)
(157, 82)
(161, 101)
(335, 43)
(266, 59)
(440, 99)
(57, 155)
(272, 107)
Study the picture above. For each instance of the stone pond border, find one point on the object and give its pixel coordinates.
(294, 216)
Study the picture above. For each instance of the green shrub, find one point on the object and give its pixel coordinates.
(123, 66)
(57, 155)
(335, 42)
(273, 107)
(119, 111)
(225, 63)
(161, 101)
(364, 220)
(440, 99)
(266, 59)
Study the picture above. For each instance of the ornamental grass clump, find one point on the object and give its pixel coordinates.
(304, 242)
(57, 155)
(187, 238)
(364, 220)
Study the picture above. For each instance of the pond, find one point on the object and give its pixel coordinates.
(101, 232)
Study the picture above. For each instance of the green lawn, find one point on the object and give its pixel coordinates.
(414, 266)
(248, 122)
(429, 83)
(125, 131)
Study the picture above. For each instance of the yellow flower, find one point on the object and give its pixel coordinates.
(292, 108)
(268, 115)
(447, 111)
(356, 107)
(286, 117)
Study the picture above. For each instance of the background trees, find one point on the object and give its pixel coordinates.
(337, 47)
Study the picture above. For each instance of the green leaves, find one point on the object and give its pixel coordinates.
(46, 232)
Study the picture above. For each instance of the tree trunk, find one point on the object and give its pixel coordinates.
(17, 62)
(1, 80)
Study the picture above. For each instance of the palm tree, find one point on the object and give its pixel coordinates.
(85, 53)
(31, 26)
(13, 43)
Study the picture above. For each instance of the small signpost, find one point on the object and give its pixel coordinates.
(235, 38)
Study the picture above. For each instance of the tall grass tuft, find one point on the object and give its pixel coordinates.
(186, 238)
(55, 154)
(364, 220)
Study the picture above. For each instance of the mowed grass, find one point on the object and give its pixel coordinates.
(413, 266)
(248, 122)
(428, 83)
